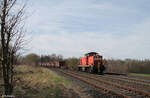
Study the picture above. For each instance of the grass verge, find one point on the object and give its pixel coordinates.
(140, 74)
(36, 82)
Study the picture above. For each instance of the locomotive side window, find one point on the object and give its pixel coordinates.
(97, 58)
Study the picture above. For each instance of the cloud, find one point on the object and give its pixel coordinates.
(111, 46)
(79, 16)
(73, 27)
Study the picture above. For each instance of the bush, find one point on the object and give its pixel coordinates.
(32, 59)
(137, 66)
(72, 63)
(116, 66)
(128, 66)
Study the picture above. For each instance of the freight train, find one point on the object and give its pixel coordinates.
(54, 64)
(92, 62)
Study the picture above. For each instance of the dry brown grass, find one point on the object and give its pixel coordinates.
(36, 82)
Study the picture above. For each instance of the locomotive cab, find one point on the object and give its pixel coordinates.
(92, 62)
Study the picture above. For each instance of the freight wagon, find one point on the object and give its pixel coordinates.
(55, 64)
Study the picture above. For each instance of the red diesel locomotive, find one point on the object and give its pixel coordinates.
(92, 62)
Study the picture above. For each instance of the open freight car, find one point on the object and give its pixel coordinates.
(54, 64)
(92, 62)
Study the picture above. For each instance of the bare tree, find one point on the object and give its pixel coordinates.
(12, 39)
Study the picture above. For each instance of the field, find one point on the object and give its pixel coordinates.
(31, 82)
(140, 74)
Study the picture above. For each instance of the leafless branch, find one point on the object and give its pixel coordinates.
(12, 39)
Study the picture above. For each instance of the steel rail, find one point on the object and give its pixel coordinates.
(122, 79)
(135, 79)
(118, 85)
(128, 80)
(95, 85)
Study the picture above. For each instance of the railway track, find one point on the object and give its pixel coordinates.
(108, 90)
(141, 82)
(129, 82)
(113, 88)
(133, 79)
(121, 81)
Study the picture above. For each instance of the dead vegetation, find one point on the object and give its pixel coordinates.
(36, 82)
(128, 66)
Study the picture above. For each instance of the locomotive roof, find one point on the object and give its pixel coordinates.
(91, 53)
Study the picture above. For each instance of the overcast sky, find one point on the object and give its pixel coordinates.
(116, 29)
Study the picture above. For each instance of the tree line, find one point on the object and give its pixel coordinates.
(33, 59)
(112, 65)
(128, 66)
